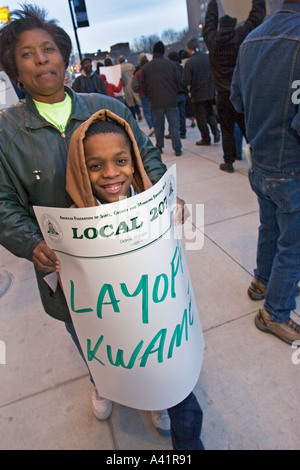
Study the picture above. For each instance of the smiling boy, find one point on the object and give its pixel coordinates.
(105, 165)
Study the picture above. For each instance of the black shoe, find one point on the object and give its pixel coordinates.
(202, 142)
(168, 136)
(217, 138)
(160, 149)
(227, 167)
(183, 137)
(238, 157)
(178, 152)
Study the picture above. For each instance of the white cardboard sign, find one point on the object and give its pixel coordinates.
(8, 96)
(130, 295)
(113, 75)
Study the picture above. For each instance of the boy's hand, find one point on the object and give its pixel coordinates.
(181, 213)
(45, 259)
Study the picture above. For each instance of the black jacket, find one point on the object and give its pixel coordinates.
(99, 85)
(160, 81)
(197, 77)
(223, 41)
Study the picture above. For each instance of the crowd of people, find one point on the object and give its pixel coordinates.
(239, 77)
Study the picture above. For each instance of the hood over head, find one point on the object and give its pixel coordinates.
(78, 183)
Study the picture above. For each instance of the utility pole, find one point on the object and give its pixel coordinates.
(75, 30)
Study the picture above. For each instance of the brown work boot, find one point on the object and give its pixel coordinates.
(288, 331)
(256, 290)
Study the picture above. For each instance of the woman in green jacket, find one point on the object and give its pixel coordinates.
(35, 136)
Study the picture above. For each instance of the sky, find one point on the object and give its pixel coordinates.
(114, 21)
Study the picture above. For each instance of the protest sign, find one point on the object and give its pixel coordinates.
(237, 9)
(8, 96)
(130, 295)
(113, 75)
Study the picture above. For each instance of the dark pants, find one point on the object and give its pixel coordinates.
(182, 114)
(186, 423)
(205, 117)
(186, 417)
(227, 118)
(135, 111)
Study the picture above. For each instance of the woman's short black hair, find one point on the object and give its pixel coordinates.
(31, 17)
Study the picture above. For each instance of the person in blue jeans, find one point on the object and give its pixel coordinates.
(273, 130)
(160, 82)
(111, 168)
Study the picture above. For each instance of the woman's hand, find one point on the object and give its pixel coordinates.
(45, 259)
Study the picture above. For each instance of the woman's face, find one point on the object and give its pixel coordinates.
(40, 66)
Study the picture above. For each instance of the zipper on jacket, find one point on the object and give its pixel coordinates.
(64, 137)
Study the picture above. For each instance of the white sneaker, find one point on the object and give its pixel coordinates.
(161, 422)
(102, 407)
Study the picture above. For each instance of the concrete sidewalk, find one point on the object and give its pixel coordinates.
(249, 386)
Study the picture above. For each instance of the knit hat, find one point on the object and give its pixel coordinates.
(227, 22)
(83, 60)
(193, 44)
(159, 47)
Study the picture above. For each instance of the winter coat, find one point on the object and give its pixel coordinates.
(223, 41)
(33, 157)
(265, 86)
(98, 82)
(197, 78)
(131, 98)
(160, 81)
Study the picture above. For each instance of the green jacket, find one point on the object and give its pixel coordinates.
(33, 155)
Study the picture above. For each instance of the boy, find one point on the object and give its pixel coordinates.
(104, 165)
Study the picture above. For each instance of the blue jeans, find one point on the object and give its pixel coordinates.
(147, 111)
(278, 248)
(238, 137)
(186, 423)
(172, 115)
(186, 417)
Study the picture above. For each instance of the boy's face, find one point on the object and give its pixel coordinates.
(109, 163)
